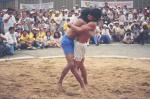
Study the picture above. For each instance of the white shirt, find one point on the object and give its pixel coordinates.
(9, 23)
(10, 38)
(73, 19)
(45, 18)
(58, 19)
(141, 17)
(122, 18)
(105, 32)
(128, 37)
(130, 17)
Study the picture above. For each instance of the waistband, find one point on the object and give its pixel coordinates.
(77, 42)
(68, 37)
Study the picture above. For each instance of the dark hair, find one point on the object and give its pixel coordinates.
(68, 20)
(96, 13)
(10, 9)
(57, 34)
(84, 14)
(48, 32)
(25, 31)
(145, 27)
(11, 28)
(128, 30)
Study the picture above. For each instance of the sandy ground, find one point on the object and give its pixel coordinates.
(108, 79)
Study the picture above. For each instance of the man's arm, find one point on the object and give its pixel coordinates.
(76, 25)
(6, 18)
(83, 28)
(92, 33)
(2, 37)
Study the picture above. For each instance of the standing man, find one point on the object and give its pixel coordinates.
(9, 20)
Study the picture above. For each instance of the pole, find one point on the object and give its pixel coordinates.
(74, 3)
(40, 2)
(16, 4)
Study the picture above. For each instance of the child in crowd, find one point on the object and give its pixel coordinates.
(105, 36)
(97, 35)
(57, 38)
(128, 38)
(49, 39)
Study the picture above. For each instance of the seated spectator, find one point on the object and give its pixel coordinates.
(120, 33)
(24, 41)
(97, 36)
(49, 39)
(128, 38)
(130, 16)
(40, 38)
(18, 32)
(11, 40)
(106, 19)
(105, 36)
(122, 17)
(115, 31)
(143, 36)
(126, 26)
(4, 50)
(135, 29)
(57, 39)
(111, 28)
(1, 23)
(31, 39)
(148, 24)
(53, 26)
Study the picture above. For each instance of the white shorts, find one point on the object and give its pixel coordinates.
(79, 50)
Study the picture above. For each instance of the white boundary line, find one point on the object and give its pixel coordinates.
(120, 57)
(18, 58)
(50, 57)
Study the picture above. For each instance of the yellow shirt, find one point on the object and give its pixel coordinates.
(148, 26)
(24, 38)
(65, 26)
(53, 16)
(31, 36)
(40, 36)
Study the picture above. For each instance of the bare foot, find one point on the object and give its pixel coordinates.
(87, 87)
(82, 90)
(60, 88)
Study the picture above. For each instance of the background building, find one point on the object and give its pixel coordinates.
(66, 3)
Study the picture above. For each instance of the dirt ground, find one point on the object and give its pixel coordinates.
(108, 79)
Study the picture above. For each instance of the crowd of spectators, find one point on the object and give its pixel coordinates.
(122, 24)
(34, 29)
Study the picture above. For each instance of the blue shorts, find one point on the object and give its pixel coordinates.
(67, 44)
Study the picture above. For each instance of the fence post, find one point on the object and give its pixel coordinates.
(16, 4)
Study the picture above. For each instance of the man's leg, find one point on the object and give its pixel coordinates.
(64, 72)
(10, 49)
(95, 39)
(83, 72)
(77, 64)
(67, 68)
(70, 65)
(77, 76)
(2, 50)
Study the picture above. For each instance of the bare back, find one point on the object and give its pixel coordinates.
(71, 33)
